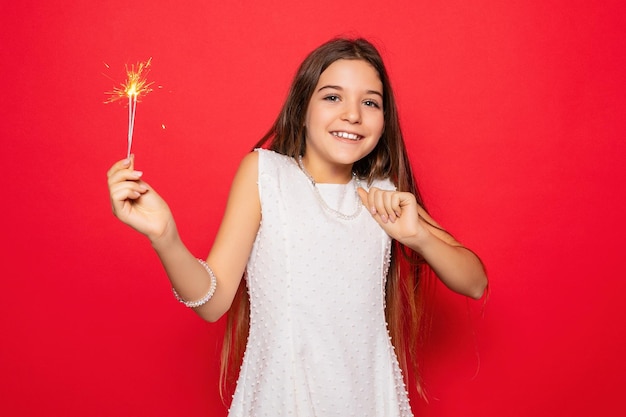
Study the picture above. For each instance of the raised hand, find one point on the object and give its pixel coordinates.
(135, 203)
(397, 213)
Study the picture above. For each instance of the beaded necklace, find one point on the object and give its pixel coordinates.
(325, 206)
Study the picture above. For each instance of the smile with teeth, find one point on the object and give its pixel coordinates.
(346, 135)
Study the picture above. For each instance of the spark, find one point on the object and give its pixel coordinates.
(135, 86)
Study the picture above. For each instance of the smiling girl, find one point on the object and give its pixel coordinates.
(319, 256)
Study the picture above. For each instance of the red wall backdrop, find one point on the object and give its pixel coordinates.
(514, 114)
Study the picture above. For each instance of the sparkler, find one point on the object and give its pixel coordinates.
(136, 85)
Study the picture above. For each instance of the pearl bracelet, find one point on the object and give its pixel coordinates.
(207, 297)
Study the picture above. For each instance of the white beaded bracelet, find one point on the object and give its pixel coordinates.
(207, 297)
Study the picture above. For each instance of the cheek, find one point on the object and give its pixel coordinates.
(310, 119)
(380, 126)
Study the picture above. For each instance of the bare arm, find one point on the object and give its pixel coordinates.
(138, 205)
(406, 221)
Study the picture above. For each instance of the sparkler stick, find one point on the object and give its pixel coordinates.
(135, 86)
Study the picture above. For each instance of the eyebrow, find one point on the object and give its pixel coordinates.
(337, 87)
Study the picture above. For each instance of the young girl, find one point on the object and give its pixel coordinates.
(320, 249)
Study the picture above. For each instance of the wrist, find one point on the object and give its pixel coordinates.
(168, 238)
(420, 242)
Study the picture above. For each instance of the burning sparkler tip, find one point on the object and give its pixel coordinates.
(136, 83)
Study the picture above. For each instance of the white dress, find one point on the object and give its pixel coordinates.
(318, 343)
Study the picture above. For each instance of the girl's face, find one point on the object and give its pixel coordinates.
(344, 119)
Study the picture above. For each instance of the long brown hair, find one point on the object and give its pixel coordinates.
(405, 282)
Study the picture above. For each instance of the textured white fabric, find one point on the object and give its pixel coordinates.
(318, 343)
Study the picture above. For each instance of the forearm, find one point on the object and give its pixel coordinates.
(189, 278)
(456, 266)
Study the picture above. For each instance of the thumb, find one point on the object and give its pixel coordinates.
(363, 195)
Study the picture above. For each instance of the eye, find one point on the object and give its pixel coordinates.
(372, 103)
(332, 97)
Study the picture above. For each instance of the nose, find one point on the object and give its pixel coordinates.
(352, 113)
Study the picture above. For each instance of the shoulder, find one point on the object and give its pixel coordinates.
(262, 161)
(272, 155)
(269, 160)
(248, 172)
(251, 160)
(244, 201)
(248, 169)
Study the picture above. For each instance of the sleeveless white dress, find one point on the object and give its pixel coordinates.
(318, 343)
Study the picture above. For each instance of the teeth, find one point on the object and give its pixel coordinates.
(346, 135)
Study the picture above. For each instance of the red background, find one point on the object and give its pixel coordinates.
(513, 112)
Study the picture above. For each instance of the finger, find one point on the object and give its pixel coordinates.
(124, 175)
(368, 199)
(363, 194)
(394, 205)
(138, 186)
(386, 197)
(371, 200)
(127, 191)
(126, 163)
(121, 164)
(377, 198)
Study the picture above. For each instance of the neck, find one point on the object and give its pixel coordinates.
(326, 174)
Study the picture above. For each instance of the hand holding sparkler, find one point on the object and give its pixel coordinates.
(135, 86)
(135, 203)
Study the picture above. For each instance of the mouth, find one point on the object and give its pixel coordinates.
(347, 135)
